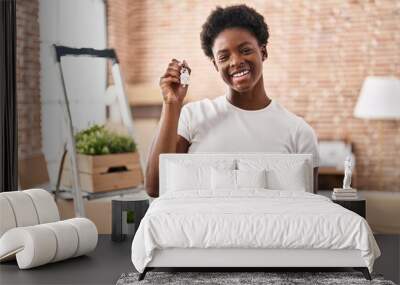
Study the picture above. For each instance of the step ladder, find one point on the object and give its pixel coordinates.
(126, 116)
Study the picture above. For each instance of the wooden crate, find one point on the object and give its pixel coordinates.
(101, 173)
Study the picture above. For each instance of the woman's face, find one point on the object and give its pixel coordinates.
(238, 58)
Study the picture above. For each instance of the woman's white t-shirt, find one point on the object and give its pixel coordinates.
(218, 126)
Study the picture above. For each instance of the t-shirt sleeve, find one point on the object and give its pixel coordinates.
(184, 123)
(306, 142)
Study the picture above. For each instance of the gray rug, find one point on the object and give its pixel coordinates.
(225, 278)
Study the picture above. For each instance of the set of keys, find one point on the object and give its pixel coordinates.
(184, 77)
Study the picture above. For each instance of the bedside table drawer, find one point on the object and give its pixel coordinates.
(357, 206)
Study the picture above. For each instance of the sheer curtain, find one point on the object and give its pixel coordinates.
(8, 100)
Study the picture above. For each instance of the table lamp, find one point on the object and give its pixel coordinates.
(379, 100)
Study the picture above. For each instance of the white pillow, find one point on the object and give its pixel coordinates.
(291, 179)
(237, 179)
(223, 179)
(185, 175)
(281, 175)
(251, 178)
(183, 178)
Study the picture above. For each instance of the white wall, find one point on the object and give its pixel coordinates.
(75, 23)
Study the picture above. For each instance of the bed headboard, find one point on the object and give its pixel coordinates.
(210, 158)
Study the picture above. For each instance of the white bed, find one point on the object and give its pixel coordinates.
(202, 220)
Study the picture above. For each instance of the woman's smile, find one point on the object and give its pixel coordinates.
(241, 76)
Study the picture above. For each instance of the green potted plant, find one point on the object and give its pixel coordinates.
(130, 221)
(107, 161)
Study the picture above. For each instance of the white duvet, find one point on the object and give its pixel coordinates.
(253, 218)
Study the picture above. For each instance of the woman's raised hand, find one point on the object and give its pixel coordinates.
(171, 88)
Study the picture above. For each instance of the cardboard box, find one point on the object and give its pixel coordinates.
(32, 171)
(97, 210)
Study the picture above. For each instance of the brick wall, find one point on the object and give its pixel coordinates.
(28, 79)
(319, 54)
(126, 34)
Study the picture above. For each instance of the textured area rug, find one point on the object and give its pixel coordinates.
(225, 278)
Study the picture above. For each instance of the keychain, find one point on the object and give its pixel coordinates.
(185, 76)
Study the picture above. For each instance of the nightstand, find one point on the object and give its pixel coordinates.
(358, 205)
(137, 204)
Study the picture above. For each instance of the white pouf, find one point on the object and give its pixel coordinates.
(67, 238)
(23, 208)
(45, 206)
(33, 246)
(7, 220)
(87, 233)
(31, 232)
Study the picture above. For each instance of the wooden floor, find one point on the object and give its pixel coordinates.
(111, 259)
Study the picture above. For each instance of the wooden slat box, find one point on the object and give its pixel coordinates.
(100, 173)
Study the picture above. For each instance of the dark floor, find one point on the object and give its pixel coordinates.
(102, 266)
(111, 259)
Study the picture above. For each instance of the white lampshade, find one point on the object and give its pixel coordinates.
(379, 99)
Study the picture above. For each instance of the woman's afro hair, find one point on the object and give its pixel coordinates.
(237, 16)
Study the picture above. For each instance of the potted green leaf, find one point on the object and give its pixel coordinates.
(107, 161)
(130, 221)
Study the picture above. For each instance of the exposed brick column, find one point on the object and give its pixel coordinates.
(126, 34)
(28, 79)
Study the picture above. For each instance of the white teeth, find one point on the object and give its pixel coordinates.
(240, 73)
